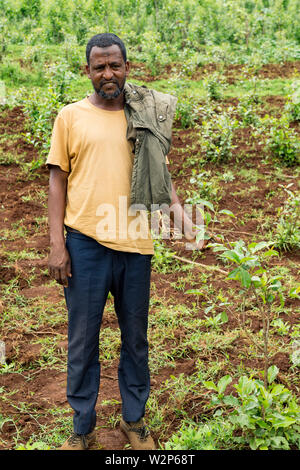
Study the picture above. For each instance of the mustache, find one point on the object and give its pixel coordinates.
(105, 82)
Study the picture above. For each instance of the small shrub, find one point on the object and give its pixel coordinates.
(210, 435)
(283, 142)
(247, 108)
(287, 231)
(163, 260)
(268, 417)
(186, 113)
(206, 188)
(41, 109)
(292, 107)
(216, 137)
(214, 86)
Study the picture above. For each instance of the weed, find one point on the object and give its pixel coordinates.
(283, 142)
(292, 106)
(216, 321)
(268, 416)
(286, 235)
(247, 109)
(186, 112)
(216, 137)
(213, 434)
(206, 188)
(163, 260)
(254, 278)
(280, 327)
(214, 86)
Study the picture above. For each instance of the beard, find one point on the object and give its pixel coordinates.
(109, 96)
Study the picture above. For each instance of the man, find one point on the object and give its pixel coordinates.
(107, 157)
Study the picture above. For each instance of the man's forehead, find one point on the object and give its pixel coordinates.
(113, 50)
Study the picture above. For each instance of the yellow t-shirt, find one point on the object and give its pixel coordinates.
(90, 144)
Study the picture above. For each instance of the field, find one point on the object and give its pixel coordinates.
(225, 371)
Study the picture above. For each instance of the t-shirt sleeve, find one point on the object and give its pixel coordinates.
(58, 154)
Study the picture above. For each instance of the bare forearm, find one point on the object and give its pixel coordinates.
(56, 207)
(179, 216)
(59, 262)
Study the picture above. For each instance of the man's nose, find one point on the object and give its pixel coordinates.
(108, 73)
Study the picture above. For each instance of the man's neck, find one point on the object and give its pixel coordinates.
(114, 104)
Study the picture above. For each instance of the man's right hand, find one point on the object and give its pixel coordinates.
(59, 264)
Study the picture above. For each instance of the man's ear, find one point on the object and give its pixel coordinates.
(127, 68)
(87, 70)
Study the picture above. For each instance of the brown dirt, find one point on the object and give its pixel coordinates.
(45, 387)
(232, 72)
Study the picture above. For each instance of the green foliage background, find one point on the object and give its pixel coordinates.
(166, 27)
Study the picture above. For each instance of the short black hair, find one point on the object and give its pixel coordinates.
(105, 40)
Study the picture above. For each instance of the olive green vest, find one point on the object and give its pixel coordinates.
(149, 115)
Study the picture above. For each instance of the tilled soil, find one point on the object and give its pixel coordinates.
(45, 388)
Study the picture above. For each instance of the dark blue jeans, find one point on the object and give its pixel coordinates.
(96, 271)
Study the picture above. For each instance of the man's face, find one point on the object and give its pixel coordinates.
(107, 71)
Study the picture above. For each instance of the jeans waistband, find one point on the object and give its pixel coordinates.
(69, 229)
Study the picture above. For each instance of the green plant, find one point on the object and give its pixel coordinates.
(255, 279)
(228, 176)
(186, 112)
(39, 445)
(211, 435)
(163, 259)
(216, 137)
(280, 327)
(247, 109)
(41, 109)
(214, 85)
(286, 235)
(210, 217)
(216, 321)
(283, 142)
(268, 416)
(206, 188)
(292, 106)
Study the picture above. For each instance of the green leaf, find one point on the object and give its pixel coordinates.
(224, 317)
(207, 204)
(279, 442)
(294, 292)
(242, 420)
(223, 382)
(227, 212)
(277, 389)
(194, 291)
(231, 400)
(270, 253)
(254, 247)
(232, 256)
(283, 422)
(272, 373)
(256, 281)
(210, 385)
(244, 277)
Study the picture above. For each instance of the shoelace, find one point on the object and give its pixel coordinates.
(143, 432)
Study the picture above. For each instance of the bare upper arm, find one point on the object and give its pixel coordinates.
(57, 173)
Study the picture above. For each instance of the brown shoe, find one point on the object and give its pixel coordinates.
(79, 441)
(138, 435)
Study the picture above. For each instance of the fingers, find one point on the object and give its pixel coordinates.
(60, 265)
(61, 275)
